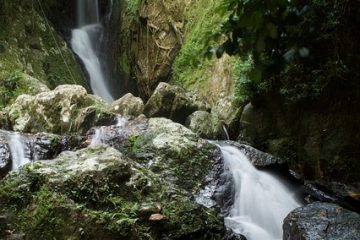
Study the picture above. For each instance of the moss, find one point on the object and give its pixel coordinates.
(31, 46)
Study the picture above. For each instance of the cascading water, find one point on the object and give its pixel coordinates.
(83, 42)
(261, 202)
(17, 149)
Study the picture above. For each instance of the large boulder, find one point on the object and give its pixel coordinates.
(256, 126)
(172, 102)
(68, 108)
(205, 124)
(321, 221)
(168, 149)
(128, 105)
(99, 193)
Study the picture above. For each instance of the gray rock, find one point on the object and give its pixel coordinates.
(205, 124)
(255, 126)
(171, 102)
(97, 192)
(228, 111)
(5, 159)
(68, 108)
(318, 221)
(128, 105)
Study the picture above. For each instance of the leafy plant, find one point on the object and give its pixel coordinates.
(279, 37)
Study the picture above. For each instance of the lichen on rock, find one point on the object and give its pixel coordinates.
(97, 193)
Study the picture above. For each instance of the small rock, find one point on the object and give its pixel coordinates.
(157, 217)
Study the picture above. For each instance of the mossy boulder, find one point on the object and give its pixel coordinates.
(205, 124)
(66, 109)
(97, 193)
(172, 102)
(167, 148)
(128, 105)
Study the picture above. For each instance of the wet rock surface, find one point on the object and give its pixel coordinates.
(105, 194)
(5, 158)
(321, 221)
(41, 146)
(338, 193)
(259, 158)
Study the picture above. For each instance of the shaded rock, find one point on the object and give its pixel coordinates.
(68, 108)
(228, 112)
(5, 158)
(258, 158)
(321, 221)
(96, 193)
(147, 48)
(231, 235)
(172, 102)
(40, 146)
(256, 126)
(128, 105)
(333, 192)
(204, 124)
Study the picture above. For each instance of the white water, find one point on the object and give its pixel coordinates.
(17, 149)
(261, 201)
(100, 133)
(83, 43)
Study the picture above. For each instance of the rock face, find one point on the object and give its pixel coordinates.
(321, 221)
(98, 192)
(151, 36)
(29, 46)
(172, 102)
(320, 143)
(128, 105)
(5, 158)
(68, 108)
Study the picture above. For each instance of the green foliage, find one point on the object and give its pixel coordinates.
(133, 7)
(199, 29)
(293, 43)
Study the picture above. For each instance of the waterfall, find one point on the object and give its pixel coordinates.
(226, 133)
(261, 201)
(83, 42)
(17, 149)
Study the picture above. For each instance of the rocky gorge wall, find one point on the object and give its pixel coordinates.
(319, 138)
(33, 55)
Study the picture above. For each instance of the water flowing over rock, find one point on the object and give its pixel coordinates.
(322, 221)
(255, 213)
(84, 42)
(18, 149)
